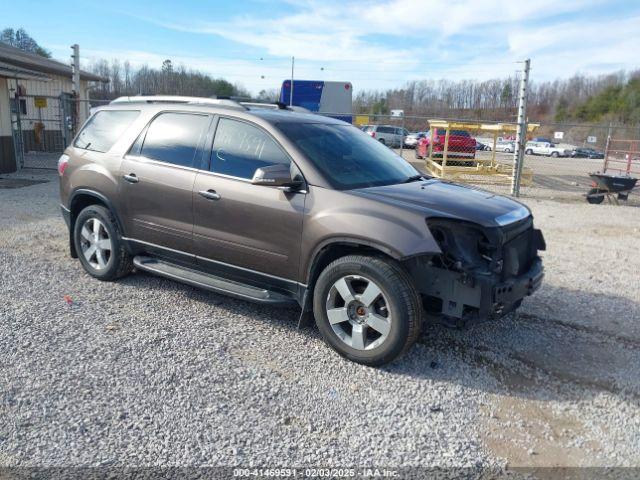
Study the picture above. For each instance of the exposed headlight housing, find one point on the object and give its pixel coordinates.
(466, 247)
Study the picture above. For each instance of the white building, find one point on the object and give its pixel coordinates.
(30, 108)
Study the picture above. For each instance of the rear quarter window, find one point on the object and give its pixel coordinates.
(457, 133)
(104, 129)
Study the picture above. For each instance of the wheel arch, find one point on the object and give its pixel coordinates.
(79, 200)
(334, 248)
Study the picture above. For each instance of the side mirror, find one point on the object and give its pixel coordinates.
(278, 175)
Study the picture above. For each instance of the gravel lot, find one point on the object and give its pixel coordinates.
(146, 371)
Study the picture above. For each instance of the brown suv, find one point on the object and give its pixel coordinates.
(278, 207)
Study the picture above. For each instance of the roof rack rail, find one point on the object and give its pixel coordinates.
(220, 102)
(276, 106)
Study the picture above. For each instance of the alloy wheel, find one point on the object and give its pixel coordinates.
(95, 243)
(358, 312)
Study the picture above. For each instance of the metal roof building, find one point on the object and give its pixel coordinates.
(31, 114)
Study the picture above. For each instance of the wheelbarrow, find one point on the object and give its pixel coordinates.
(613, 187)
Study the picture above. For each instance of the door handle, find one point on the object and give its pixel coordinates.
(131, 178)
(210, 194)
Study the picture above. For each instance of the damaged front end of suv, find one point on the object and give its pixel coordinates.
(481, 272)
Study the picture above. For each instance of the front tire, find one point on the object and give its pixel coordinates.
(367, 309)
(99, 245)
(529, 151)
(555, 154)
(382, 141)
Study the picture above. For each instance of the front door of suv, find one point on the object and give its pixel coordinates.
(156, 182)
(246, 231)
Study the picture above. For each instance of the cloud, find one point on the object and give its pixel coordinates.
(356, 31)
(384, 43)
(565, 48)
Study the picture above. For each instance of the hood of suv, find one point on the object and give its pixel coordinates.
(436, 198)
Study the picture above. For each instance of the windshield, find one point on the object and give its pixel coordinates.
(346, 156)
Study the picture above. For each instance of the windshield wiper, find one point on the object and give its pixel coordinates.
(414, 178)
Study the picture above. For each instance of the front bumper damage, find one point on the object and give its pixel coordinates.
(469, 286)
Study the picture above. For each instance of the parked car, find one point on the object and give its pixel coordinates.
(461, 145)
(546, 148)
(411, 140)
(281, 207)
(386, 134)
(506, 146)
(482, 146)
(585, 152)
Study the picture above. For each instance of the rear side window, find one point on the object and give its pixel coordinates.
(175, 138)
(104, 129)
(457, 133)
(386, 130)
(240, 148)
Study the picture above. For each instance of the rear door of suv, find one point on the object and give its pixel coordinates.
(243, 230)
(156, 183)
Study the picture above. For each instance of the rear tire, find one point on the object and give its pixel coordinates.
(100, 248)
(375, 310)
(555, 154)
(529, 151)
(382, 141)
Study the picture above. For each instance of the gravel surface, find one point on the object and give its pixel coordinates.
(146, 371)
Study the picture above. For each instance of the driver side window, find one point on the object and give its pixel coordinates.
(240, 148)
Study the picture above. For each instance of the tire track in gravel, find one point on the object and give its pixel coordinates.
(628, 341)
(513, 363)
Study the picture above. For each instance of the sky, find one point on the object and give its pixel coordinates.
(376, 44)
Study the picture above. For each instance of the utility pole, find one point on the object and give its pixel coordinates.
(293, 59)
(402, 137)
(75, 67)
(606, 149)
(521, 132)
(75, 73)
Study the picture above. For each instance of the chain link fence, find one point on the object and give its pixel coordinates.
(558, 156)
(42, 127)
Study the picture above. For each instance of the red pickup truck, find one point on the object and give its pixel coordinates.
(461, 144)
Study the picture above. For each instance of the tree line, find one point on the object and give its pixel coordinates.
(614, 97)
(166, 80)
(21, 39)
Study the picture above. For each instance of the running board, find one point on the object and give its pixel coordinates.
(209, 282)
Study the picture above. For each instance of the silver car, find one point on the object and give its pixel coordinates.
(386, 134)
(506, 146)
(411, 140)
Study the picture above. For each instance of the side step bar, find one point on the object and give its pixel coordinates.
(209, 282)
